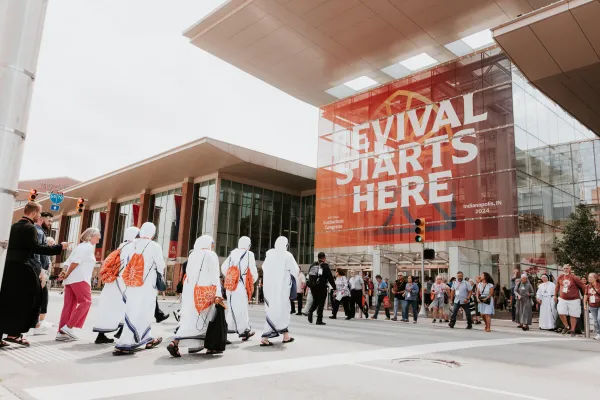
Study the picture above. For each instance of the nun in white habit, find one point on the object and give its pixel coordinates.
(140, 292)
(201, 289)
(111, 310)
(279, 269)
(238, 320)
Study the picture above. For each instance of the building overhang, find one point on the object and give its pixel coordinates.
(557, 48)
(202, 157)
(307, 47)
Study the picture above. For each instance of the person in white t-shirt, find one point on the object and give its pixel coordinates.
(300, 288)
(77, 279)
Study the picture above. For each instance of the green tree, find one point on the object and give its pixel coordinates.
(580, 243)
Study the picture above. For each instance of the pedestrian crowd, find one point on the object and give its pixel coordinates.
(215, 297)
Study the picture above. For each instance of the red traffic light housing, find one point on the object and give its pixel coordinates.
(32, 194)
(80, 205)
(420, 230)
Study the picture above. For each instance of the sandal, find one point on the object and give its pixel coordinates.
(123, 352)
(3, 344)
(248, 336)
(154, 343)
(266, 344)
(213, 352)
(19, 340)
(289, 341)
(173, 349)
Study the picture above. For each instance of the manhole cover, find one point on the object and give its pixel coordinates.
(446, 363)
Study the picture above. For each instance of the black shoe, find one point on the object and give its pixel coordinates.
(469, 326)
(102, 339)
(434, 321)
(310, 318)
(451, 325)
(161, 318)
(333, 317)
(228, 342)
(320, 323)
(299, 314)
(348, 318)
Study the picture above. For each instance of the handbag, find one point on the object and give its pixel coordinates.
(161, 286)
(386, 302)
(485, 300)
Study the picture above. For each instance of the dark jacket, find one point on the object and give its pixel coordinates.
(20, 295)
(43, 262)
(325, 277)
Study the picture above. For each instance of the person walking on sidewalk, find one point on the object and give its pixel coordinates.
(357, 294)
(300, 288)
(341, 295)
(382, 292)
(460, 294)
(43, 225)
(411, 297)
(399, 300)
(77, 280)
(318, 277)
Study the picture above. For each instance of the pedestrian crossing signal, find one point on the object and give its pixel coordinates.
(80, 205)
(32, 194)
(420, 230)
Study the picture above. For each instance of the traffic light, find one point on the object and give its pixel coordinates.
(420, 230)
(32, 194)
(80, 205)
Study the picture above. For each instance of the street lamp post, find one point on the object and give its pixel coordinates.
(21, 26)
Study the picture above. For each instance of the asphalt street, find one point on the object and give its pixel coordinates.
(343, 360)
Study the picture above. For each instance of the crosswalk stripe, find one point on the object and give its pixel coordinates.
(37, 353)
(110, 388)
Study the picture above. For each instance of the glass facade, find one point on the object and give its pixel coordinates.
(164, 213)
(125, 217)
(487, 160)
(261, 214)
(556, 170)
(72, 233)
(203, 211)
(307, 230)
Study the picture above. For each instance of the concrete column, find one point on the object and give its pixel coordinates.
(144, 207)
(376, 262)
(21, 26)
(185, 218)
(109, 228)
(62, 235)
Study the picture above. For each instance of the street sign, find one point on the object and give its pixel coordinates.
(56, 197)
(54, 207)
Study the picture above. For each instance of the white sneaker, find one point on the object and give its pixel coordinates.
(69, 332)
(46, 324)
(61, 337)
(597, 337)
(40, 331)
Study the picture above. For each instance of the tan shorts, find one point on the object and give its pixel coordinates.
(571, 308)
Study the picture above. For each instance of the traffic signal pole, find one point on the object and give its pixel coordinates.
(21, 26)
(423, 311)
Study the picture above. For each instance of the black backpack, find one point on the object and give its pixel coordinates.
(313, 275)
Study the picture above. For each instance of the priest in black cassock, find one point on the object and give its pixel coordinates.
(20, 295)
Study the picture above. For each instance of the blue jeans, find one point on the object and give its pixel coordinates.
(596, 318)
(410, 303)
(401, 304)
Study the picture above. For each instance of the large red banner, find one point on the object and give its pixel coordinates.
(393, 155)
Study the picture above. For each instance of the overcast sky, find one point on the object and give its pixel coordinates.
(117, 82)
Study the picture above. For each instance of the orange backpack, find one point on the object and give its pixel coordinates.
(232, 277)
(249, 284)
(133, 274)
(204, 297)
(111, 267)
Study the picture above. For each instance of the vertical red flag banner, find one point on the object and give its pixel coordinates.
(439, 146)
(98, 249)
(174, 236)
(136, 214)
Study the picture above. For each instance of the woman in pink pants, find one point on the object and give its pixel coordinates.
(78, 292)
